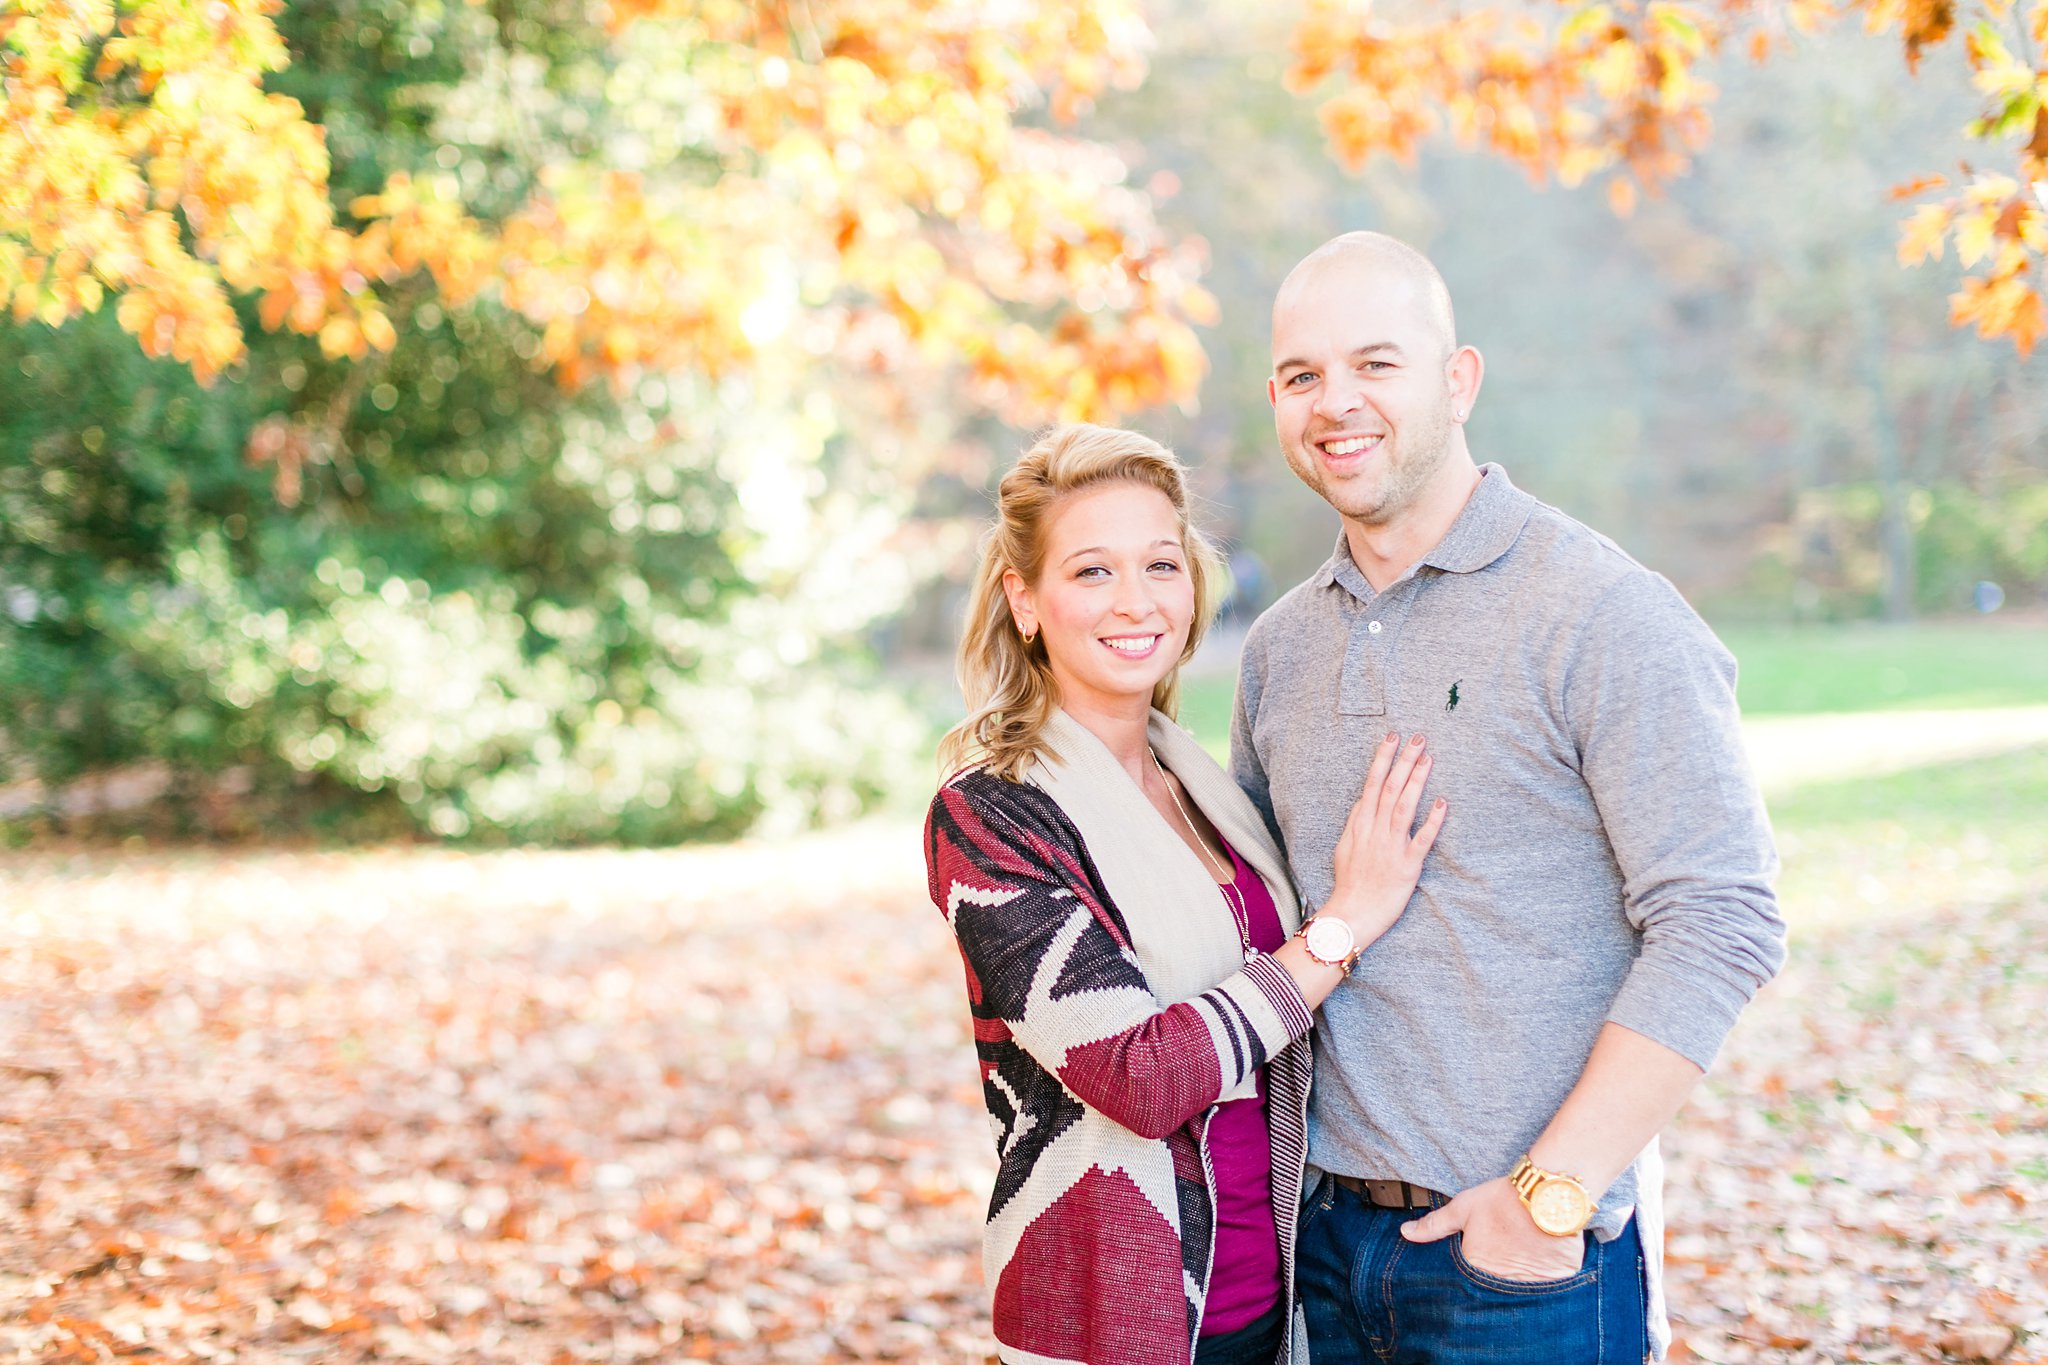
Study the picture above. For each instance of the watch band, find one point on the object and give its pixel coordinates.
(1527, 1178)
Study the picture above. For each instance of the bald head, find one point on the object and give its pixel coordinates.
(1361, 253)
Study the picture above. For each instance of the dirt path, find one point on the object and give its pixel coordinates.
(1789, 751)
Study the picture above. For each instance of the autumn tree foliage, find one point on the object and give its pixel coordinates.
(142, 157)
(529, 397)
(1615, 92)
(861, 161)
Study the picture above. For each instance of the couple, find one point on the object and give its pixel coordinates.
(1498, 760)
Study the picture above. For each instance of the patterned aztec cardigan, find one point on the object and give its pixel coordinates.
(1112, 1012)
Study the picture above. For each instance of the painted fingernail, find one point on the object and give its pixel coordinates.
(1391, 738)
(1441, 803)
(1416, 740)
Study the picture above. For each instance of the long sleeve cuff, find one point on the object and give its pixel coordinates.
(1689, 1015)
(1278, 987)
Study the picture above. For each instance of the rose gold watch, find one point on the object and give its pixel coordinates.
(1329, 940)
(1558, 1204)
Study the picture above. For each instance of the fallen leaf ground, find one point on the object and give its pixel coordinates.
(721, 1104)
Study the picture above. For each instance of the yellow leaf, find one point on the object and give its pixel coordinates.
(1617, 70)
(1987, 49)
(1923, 233)
(1974, 231)
(378, 331)
(2033, 231)
(1681, 25)
(339, 337)
(1584, 23)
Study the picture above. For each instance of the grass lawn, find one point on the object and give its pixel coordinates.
(1205, 704)
(1936, 665)
(1909, 842)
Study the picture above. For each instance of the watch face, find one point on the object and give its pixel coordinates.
(1558, 1207)
(1328, 939)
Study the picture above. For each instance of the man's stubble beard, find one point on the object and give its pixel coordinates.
(1402, 481)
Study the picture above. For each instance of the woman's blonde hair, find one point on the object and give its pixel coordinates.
(1008, 683)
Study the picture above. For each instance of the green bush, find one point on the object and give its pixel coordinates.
(505, 612)
(432, 589)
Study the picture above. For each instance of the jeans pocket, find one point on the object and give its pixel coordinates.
(1318, 1204)
(1587, 1273)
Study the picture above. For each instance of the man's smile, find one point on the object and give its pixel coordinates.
(1343, 451)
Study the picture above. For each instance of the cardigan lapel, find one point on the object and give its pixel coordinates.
(1158, 884)
(1229, 809)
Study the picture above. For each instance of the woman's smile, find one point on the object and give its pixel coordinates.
(1133, 646)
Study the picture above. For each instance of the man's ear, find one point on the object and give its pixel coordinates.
(1462, 375)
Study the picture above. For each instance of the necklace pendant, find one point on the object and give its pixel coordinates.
(1251, 955)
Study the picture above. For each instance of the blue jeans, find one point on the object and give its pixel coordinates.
(1372, 1296)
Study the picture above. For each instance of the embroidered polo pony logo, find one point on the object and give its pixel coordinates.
(1452, 704)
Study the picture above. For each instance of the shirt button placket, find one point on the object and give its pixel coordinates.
(1364, 684)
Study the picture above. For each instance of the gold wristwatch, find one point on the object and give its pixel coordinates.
(1558, 1204)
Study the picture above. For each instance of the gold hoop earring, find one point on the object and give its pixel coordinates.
(1029, 636)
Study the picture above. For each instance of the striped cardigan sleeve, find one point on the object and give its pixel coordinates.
(1050, 964)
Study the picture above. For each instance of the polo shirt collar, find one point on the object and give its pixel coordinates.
(1491, 520)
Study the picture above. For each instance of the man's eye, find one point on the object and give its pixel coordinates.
(1379, 364)
(1298, 379)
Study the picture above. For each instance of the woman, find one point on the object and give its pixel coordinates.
(1140, 981)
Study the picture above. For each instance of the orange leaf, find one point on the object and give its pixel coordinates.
(1919, 186)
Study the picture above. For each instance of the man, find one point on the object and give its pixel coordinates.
(1491, 1079)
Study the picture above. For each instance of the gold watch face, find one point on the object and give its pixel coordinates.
(1559, 1207)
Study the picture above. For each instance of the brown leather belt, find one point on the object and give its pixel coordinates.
(1392, 1194)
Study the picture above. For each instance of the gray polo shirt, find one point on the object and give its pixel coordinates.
(1606, 854)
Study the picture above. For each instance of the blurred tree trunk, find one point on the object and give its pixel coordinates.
(1895, 526)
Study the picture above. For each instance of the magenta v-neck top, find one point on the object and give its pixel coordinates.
(1244, 1282)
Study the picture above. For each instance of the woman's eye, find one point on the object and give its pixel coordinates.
(1165, 566)
(1091, 571)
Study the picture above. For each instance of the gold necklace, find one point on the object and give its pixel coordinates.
(1240, 913)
